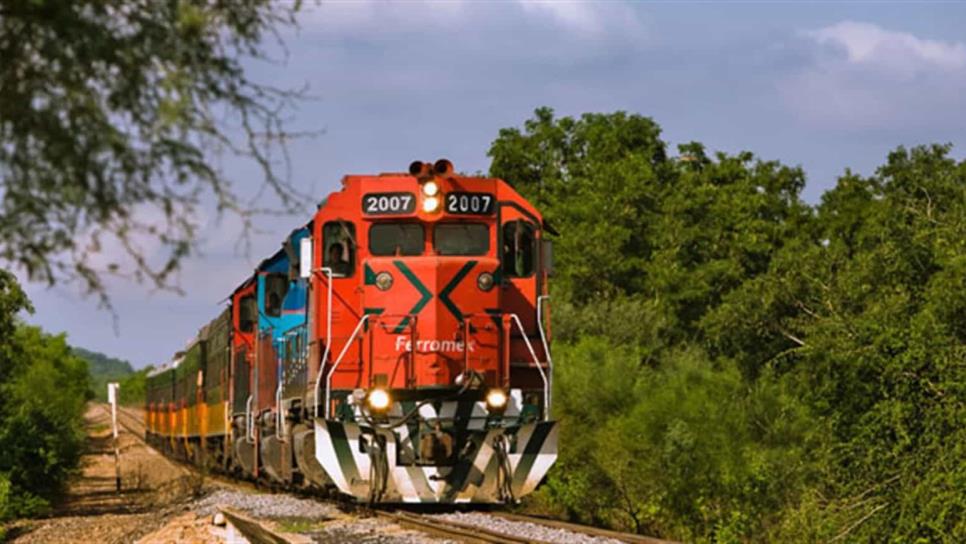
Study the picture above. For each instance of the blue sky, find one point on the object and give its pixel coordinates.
(821, 85)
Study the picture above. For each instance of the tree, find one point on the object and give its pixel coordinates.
(43, 389)
(12, 301)
(864, 317)
(681, 232)
(659, 433)
(884, 348)
(578, 171)
(733, 365)
(111, 116)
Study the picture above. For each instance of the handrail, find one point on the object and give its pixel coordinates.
(278, 412)
(249, 426)
(279, 420)
(328, 376)
(546, 345)
(328, 342)
(279, 374)
(543, 375)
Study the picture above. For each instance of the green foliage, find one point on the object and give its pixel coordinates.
(103, 370)
(681, 232)
(673, 447)
(101, 365)
(733, 365)
(111, 119)
(6, 511)
(134, 387)
(43, 390)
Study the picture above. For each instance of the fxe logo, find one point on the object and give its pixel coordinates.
(405, 343)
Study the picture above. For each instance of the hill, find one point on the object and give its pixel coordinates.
(103, 369)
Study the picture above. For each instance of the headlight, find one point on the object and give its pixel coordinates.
(430, 188)
(384, 281)
(496, 399)
(485, 281)
(378, 400)
(430, 204)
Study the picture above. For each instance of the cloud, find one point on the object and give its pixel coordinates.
(587, 19)
(860, 76)
(348, 18)
(376, 20)
(895, 52)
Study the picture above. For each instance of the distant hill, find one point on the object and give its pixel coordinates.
(103, 369)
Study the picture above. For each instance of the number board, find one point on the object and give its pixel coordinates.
(388, 203)
(469, 203)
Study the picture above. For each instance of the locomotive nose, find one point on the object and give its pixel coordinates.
(435, 318)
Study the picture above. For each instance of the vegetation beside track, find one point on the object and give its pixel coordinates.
(43, 390)
(104, 369)
(736, 365)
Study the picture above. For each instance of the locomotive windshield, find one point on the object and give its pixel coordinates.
(391, 239)
(462, 239)
(340, 245)
(247, 313)
(519, 243)
(276, 287)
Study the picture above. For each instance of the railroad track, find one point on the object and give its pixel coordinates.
(513, 530)
(133, 422)
(448, 529)
(253, 531)
(582, 529)
(130, 421)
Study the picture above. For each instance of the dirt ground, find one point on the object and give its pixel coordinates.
(149, 508)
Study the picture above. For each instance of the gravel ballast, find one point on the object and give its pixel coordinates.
(534, 531)
(265, 505)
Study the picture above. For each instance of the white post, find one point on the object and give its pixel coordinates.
(112, 389)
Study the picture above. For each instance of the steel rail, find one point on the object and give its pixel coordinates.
(450, 529)
(253, 531)
(583, 529)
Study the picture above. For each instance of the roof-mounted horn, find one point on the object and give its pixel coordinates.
(420, 169)
(443, 167)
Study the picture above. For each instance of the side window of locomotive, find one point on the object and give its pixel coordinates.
(247, 312)
(396, 239)
(339, 238)
(276, 286)
(519, 245)
(461, 239)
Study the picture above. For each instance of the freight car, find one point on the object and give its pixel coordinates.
(395, 349)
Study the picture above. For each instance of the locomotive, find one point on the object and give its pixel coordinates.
(395, 349)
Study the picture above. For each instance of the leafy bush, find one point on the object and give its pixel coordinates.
(681, 449)
(133, 387)
(734, 365)
(43, 390)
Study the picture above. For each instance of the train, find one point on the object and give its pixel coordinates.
(395, 349)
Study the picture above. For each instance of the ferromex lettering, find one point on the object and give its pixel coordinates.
(405, 343)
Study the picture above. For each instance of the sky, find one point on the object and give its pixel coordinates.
(825, 86)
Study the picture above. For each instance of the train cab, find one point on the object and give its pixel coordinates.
(428, 289)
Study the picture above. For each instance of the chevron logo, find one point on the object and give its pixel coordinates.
(421, 303)
(444, 294)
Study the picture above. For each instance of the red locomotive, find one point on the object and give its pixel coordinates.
(395, 348)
